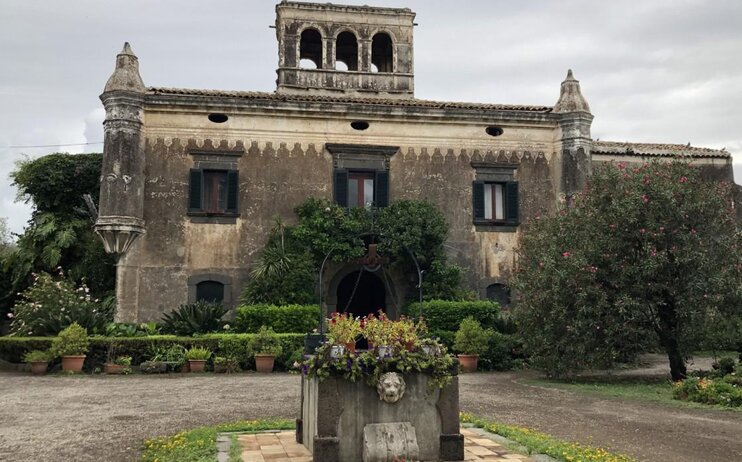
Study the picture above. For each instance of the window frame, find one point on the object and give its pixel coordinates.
(196, 187)
(361, 158)
(214, 161)
(496, 174)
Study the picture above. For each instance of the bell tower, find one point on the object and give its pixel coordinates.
(328, 49)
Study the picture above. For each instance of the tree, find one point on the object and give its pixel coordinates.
(645, 255)
(7, 247)
(59, 233)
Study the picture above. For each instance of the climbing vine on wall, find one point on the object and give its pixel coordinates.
(404, 227)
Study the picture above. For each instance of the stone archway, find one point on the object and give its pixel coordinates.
(361, 293)
(394, 283)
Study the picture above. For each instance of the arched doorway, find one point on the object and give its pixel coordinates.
(362, 292)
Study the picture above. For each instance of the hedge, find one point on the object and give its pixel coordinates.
(445, 315)
(13, 348)
(298, 319)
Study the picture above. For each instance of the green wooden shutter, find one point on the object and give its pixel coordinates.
(194, 190)
(478, 199)
(511, 196)
(381, 189)
(340, 187)
(233, 186)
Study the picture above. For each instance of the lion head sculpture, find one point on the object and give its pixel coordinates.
(391, 387)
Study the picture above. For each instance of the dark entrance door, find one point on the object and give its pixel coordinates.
(368, 297)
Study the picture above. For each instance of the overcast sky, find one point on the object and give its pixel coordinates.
(665, 71)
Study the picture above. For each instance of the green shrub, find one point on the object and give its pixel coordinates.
(708, 391)
(724, 366)
(194, 318)
(125, 329)
(198, 354)
(37, 356)
(266, 342)
(442, 315)
(141, 348)
(285, 319)
(471, 338)
(52, 303)
(72, 341)
(236, 349)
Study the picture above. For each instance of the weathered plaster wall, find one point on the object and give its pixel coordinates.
(283, 162)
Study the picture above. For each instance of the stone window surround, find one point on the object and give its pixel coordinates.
(195, 279)
(494, 172)
(215, 160)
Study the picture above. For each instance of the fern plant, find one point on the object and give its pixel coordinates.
(194, 318)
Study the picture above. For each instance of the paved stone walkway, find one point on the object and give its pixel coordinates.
(282, 447)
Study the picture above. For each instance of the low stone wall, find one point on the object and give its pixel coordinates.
(336, 411)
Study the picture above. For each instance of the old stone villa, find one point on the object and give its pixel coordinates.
(192, 179)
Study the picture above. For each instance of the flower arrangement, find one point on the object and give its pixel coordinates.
(343, 329)
(367, 365)
(377, 329)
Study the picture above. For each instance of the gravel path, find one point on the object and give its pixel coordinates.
(107, 418)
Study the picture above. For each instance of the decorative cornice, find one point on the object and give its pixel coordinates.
(371, 149)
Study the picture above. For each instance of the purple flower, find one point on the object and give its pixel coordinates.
(348, 364)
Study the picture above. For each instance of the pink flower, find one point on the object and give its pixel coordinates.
(540, 264)
(642, 230)
(565, 254)
(683, 179)
(645, 198)
(10, 315)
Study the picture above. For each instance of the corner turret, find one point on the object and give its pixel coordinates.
(575, 122)
(120, 218)
(570, 97)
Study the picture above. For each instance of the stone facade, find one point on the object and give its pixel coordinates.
(167, 151)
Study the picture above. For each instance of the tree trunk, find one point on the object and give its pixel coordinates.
(668, 334)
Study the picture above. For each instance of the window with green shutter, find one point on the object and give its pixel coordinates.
(361, 188)
(495, 199)
(213, 192)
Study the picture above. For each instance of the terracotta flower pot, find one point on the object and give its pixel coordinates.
(468, 362)
(197, 365)
(351, 346)
(39, 367)
(185, 368)
(113, 369)
(264, 363)
(73, 363)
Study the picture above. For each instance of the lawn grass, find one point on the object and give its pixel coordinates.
(199, 444)
(655, 390)
(540, 443)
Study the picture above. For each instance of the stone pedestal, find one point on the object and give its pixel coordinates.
(335, 412)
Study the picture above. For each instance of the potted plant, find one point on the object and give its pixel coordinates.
(471, 341)
(118, 365)
(405, 333)
(39, 361)
(71, 344)
(197, 357)
(343, 330)
(376, 330)
(265, 346)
